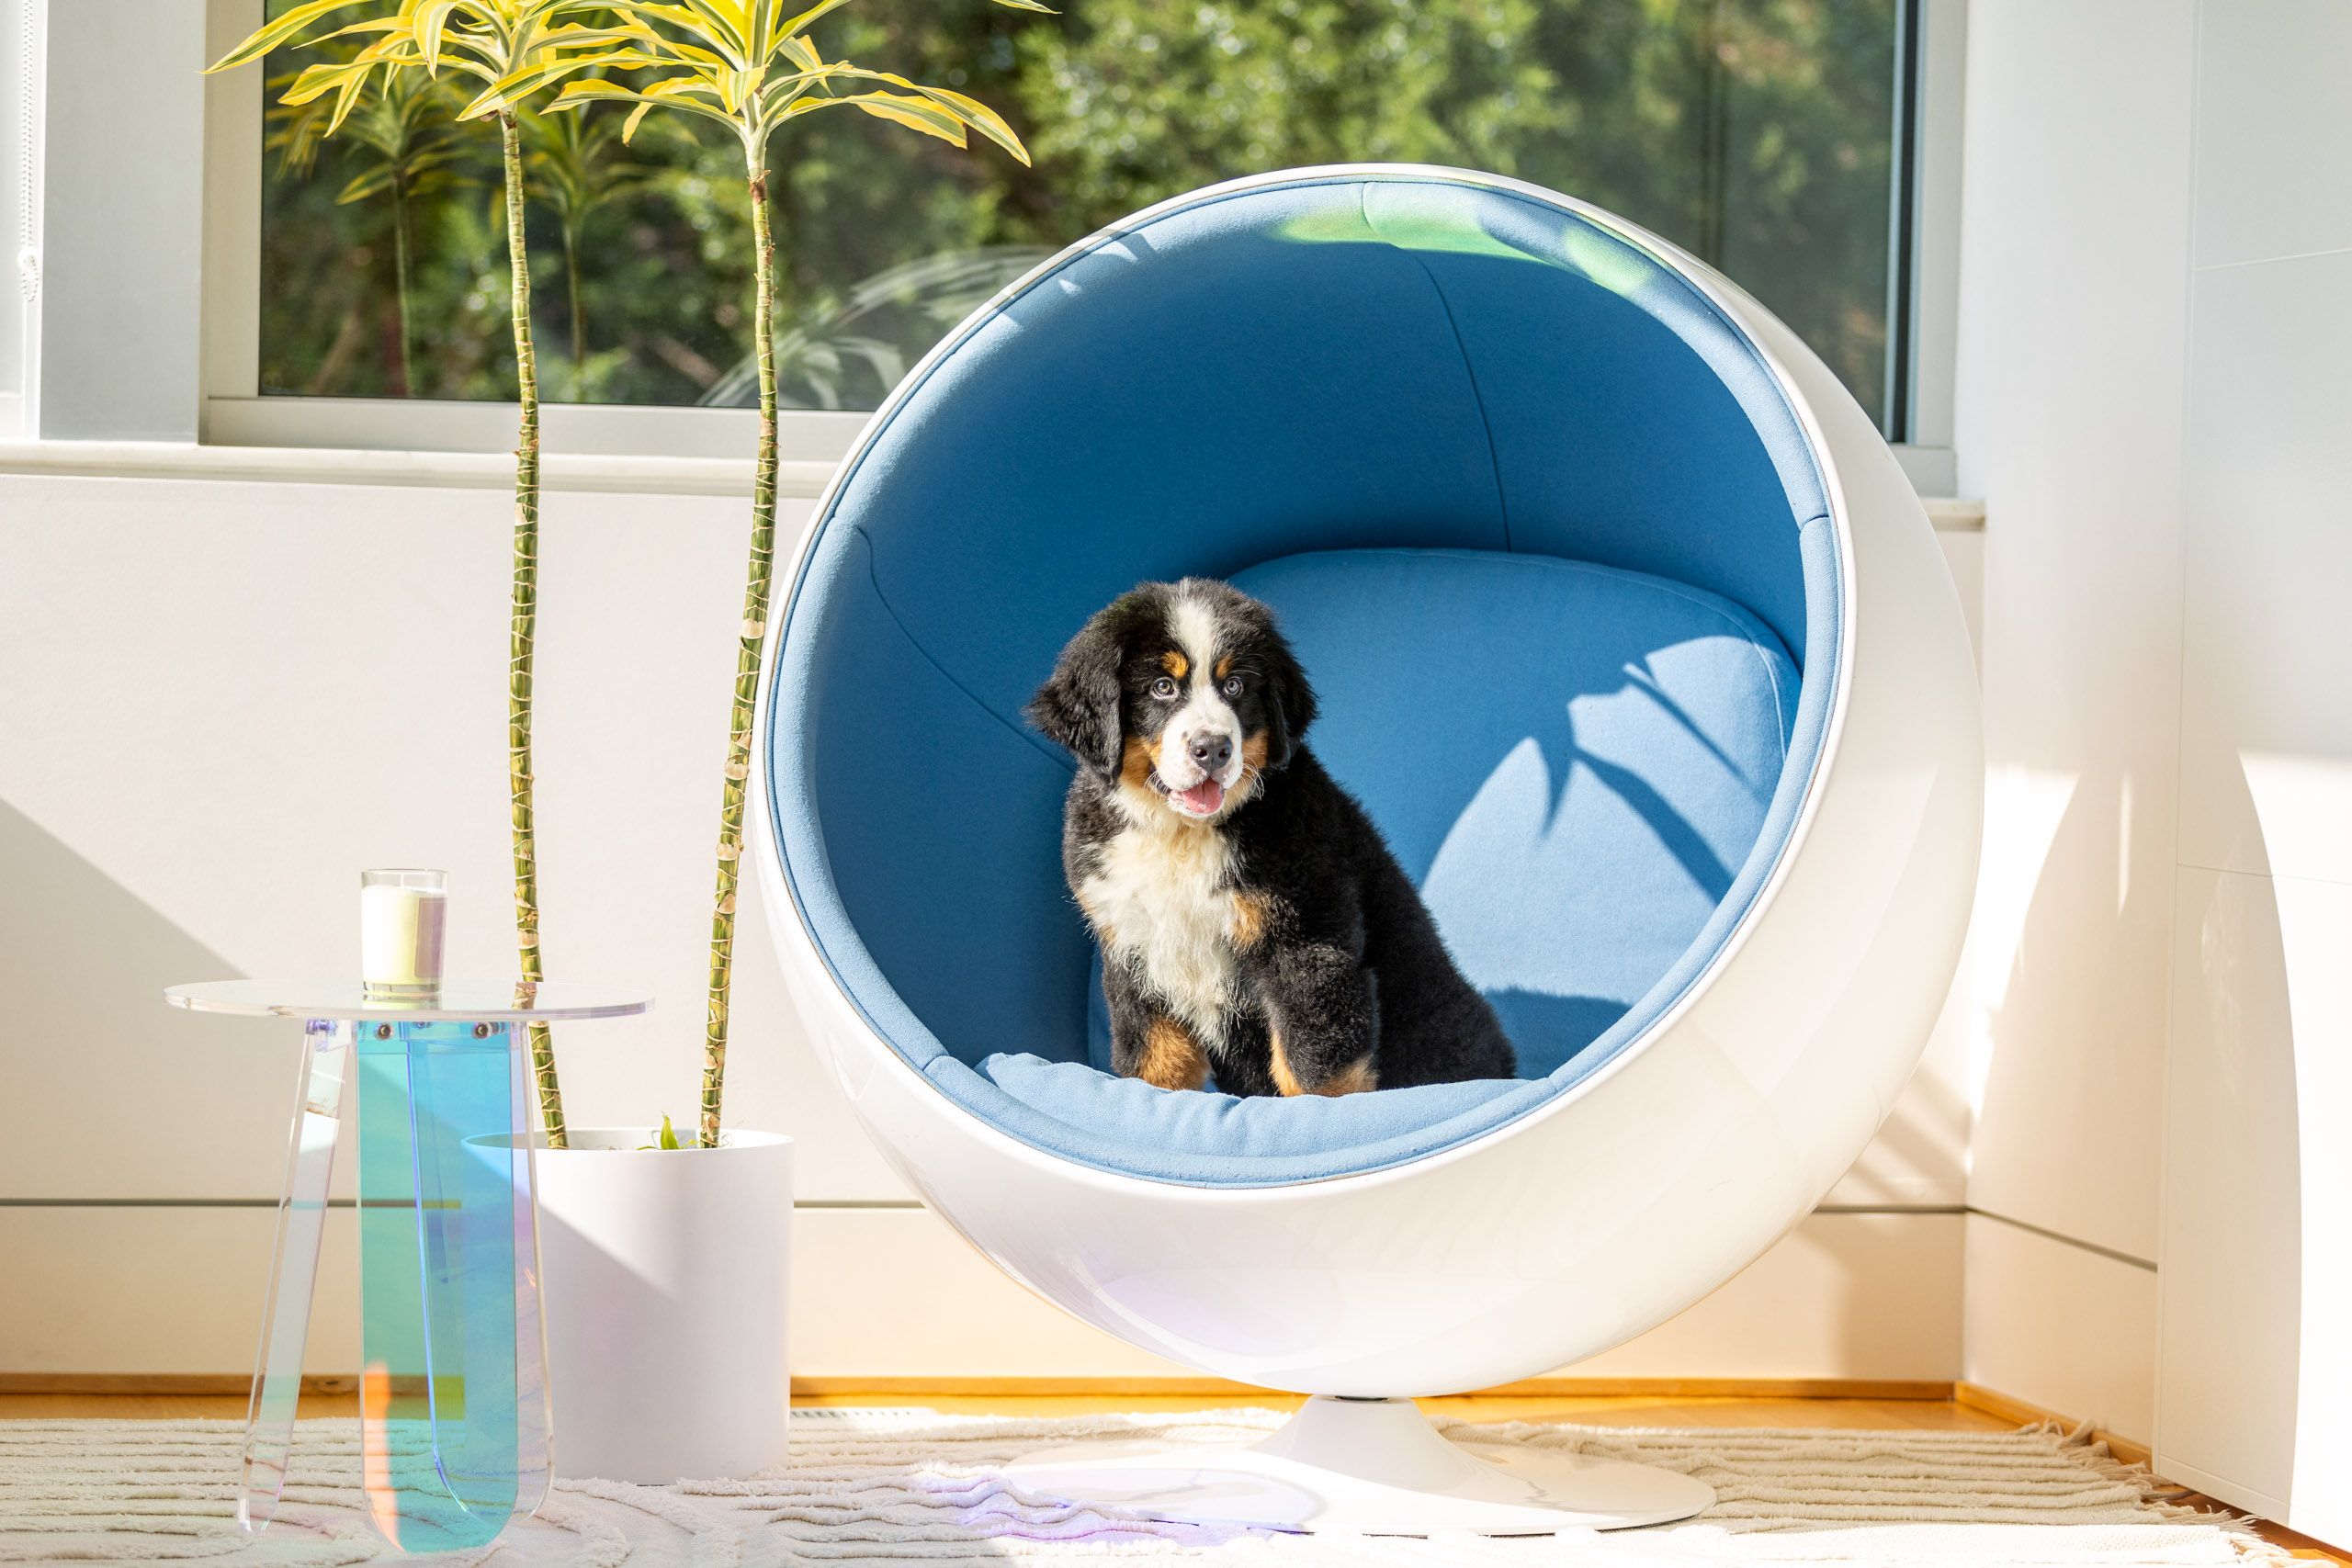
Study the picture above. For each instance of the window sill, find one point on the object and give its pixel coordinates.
(797, 479)
(802, 478)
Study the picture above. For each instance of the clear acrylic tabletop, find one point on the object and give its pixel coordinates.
(463, 1002)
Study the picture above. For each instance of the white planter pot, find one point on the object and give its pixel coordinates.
(666, 1275)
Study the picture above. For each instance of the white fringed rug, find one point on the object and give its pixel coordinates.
(868, 1487)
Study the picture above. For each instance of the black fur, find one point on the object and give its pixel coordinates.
(1330, 950)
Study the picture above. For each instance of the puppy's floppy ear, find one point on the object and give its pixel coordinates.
(1078, 705)
(1290, 699)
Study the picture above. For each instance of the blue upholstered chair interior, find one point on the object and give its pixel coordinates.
(1509, 482)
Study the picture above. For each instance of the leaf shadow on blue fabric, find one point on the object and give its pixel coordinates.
(1547, 1030)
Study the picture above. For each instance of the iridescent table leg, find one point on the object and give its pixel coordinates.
(511, 1157)
(453, 1382)
(285, 1315)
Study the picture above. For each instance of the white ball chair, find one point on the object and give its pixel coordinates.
(1696, 799)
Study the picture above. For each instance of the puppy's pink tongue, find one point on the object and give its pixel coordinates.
(1203, 799)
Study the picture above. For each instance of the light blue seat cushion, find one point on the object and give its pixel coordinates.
(1204, 1137)
(1412, 407)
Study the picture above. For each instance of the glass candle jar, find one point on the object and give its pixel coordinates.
(403, 914)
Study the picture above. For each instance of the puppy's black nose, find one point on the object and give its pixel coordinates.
(1211, 753)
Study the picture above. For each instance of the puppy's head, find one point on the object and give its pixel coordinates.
(1183, 692)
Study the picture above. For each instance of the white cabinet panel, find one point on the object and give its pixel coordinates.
(2274, 130)
(2256, 1348)
(2316, 925)
(2267, 669)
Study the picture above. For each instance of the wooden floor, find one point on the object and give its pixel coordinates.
(1917, 1414)
(1642, 1410)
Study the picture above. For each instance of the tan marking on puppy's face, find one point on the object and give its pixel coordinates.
(1134, 767)
(1224, 668)
(1356, 1077)
(1171, 1057)
(1175, 663)
(1254, 749)
(1248, 922)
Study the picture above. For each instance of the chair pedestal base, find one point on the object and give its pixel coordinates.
(1364, 1467)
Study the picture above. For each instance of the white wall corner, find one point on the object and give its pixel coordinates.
(2059, 1325)
(2256, 1351)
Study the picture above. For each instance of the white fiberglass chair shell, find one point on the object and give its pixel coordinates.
(1695, 795)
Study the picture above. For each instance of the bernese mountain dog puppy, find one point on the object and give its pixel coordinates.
(1252, 920)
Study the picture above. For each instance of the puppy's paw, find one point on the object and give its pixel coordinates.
(1296, 1073)
(1171, 1058)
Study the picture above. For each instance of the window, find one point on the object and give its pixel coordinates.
(1769, 137)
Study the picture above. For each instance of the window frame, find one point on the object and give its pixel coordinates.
(1936, 34)
(1932, 50)
(24, 33)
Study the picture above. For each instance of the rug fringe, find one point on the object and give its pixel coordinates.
(2086, 1445)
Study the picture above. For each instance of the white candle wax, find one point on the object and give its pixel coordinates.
(400, 935)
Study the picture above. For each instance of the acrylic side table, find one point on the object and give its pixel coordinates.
(453, 1400)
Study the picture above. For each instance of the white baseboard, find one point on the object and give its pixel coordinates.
(892, 1292)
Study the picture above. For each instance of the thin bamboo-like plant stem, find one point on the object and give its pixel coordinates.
(747, 664)
(400, 284)
(578, 313)
(524, 630)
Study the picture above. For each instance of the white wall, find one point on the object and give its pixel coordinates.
(2072, 305)
(220, 698)
(2256, 1354)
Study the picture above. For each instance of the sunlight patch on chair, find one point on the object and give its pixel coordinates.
(1510, 865)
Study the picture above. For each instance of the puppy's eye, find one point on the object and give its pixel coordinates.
(1164, 689)
(1233, 686)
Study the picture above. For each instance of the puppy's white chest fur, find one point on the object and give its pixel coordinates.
(1159, 899)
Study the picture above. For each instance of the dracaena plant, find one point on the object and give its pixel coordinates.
(491, 42)
(752, 67)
